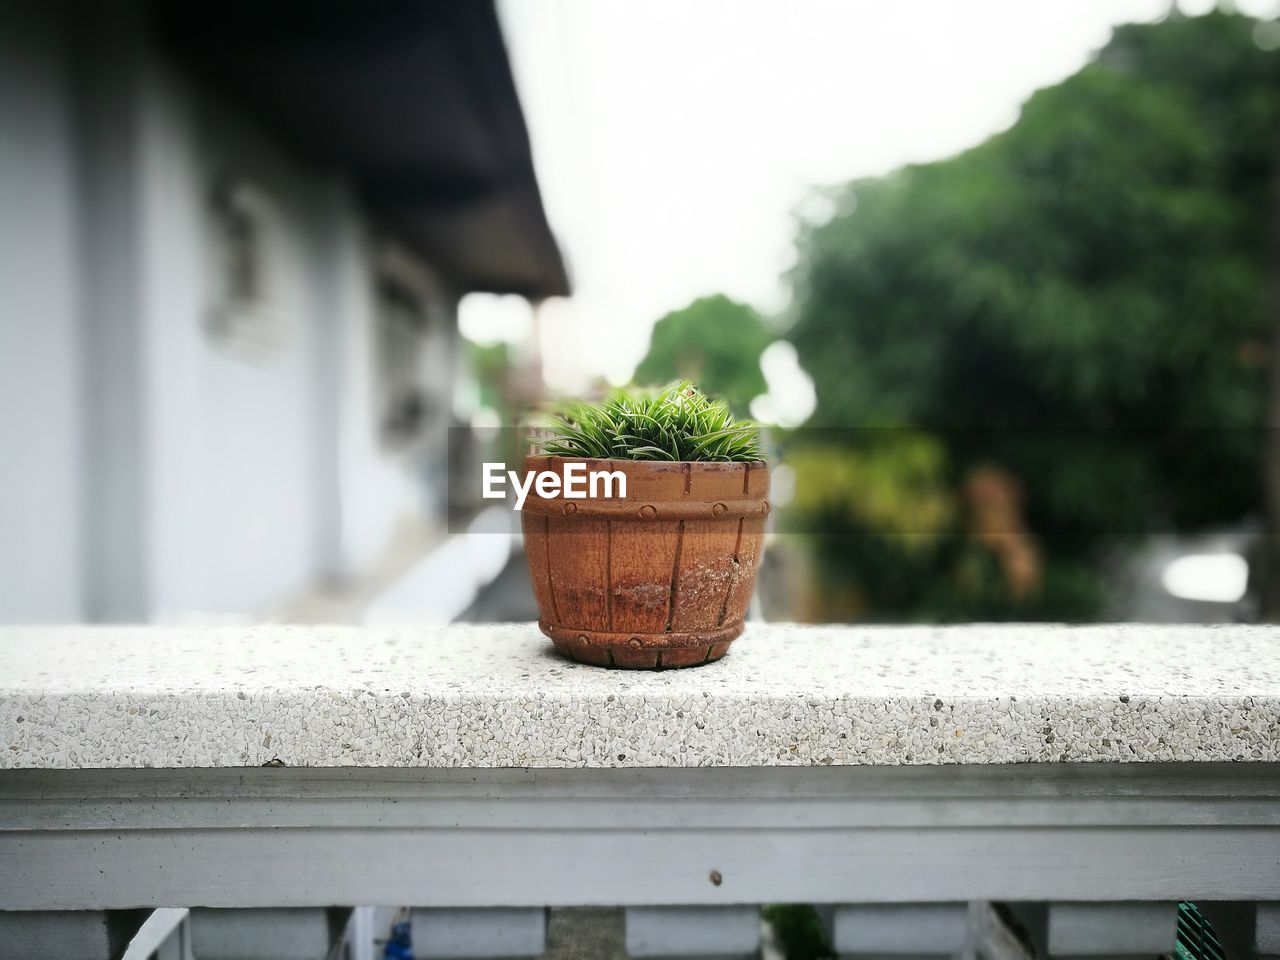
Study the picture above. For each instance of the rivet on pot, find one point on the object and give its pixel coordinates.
(634, 642)
(582, 638)
(648, 511)
(764, 507)
(719, 510)
(570, 508)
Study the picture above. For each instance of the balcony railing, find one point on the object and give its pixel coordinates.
(235, 792)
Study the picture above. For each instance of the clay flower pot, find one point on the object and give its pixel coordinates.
(661, 578)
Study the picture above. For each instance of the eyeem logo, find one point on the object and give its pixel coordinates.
(577, 483)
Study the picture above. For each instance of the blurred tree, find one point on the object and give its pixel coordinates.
(1075, 309)
(491, 365)
(715, 342)
(498, 376)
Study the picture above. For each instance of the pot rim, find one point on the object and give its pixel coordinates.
(701, 464)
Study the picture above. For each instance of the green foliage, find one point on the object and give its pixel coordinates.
(491, 366)
(714, 341)
(678, 422)
(897, 486)
(1080, 301)
(896, 537)
(799, 931)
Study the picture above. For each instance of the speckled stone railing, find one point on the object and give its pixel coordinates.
(901, 778)
(498, 696)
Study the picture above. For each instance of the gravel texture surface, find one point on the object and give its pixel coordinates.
(499, 696)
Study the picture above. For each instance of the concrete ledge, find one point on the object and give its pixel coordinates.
(498, 696)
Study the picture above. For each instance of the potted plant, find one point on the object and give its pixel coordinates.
(660, 576)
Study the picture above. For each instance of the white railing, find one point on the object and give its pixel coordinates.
(903, 780)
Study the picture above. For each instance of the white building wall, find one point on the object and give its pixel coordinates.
(268, 470)
(40, 537)
(171, 354)
(210, 481)
(373, 491)
(230, 430)
(379, 489)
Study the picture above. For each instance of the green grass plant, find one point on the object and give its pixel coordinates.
(678, 423)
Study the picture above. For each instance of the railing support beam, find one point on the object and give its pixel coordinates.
(897, 929)
(704, 932)
(83, 934)
(296, 933)
(212, 837)
(464, 934)
(1117, 929)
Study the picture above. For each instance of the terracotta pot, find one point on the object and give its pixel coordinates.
(661, 578)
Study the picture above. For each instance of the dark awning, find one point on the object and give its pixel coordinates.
(412, 99)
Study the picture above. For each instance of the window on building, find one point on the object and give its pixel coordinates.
(245, 313)
(401, 334)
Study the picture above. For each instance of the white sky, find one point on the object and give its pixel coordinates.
(675, 139)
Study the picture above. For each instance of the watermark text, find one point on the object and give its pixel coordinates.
(576, 483)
